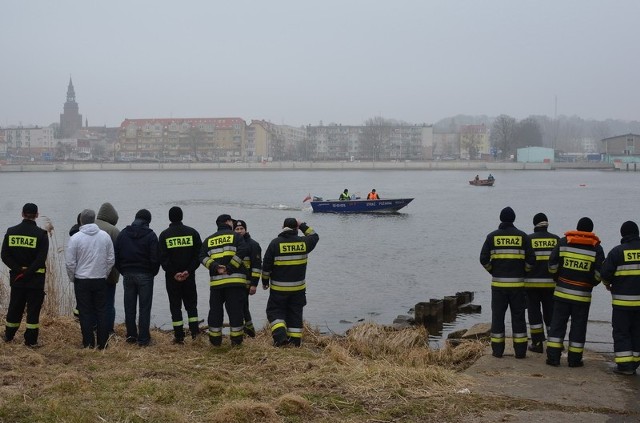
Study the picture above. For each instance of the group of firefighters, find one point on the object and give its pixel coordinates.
(553, 278)
(549, 276)
(234, 261)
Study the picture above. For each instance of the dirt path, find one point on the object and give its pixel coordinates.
(541, 393)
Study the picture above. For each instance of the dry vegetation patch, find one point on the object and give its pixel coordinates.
(370, 373)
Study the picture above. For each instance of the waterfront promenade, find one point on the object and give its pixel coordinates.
(476, 166)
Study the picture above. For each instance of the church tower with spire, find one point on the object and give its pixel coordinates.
(70, 119)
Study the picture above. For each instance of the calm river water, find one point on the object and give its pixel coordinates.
(367, 267)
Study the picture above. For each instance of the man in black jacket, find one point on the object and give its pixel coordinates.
(137, 259)
(222, 254)
(253, 263)
(575, 263)
(621, 275)
(24, 251)
(284, 268)
(539, 283)
(507, 255)
(179, 248)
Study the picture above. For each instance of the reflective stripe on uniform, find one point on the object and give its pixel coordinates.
(277, 324)
(290, 260)
(572, 294)
(288, 286)
(539, 283)
(507, 282)
(497, 338)
(236, 331)
(215, 331)
(178, 323)
(536, 328)
(554, 342)
(625, 300)
(624, 357)
(628, 270)
(33, 325)
(520, 338)
(542, 255)
(507, 254)
(219, 280)
(294, 332)
(577, 253)
(576, 347)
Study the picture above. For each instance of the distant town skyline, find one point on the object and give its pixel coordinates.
(301, 63)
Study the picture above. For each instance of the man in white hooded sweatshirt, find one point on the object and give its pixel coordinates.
(89, 258)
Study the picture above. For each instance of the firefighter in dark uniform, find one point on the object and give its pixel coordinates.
(222, 254)
(621, 275)
(284, 267)
(539, 283)
(24, 251)
(179, 256)
(253, 263)
(507, 255)
(575, 263)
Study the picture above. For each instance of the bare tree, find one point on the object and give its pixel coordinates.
(528, 134)
(375, 137)
(502, 137)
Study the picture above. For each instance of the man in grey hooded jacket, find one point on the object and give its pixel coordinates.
(106, 220)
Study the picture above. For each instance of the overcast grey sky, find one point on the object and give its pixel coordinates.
(300, 62)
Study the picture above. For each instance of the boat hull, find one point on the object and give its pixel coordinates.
(482, 182)
(391, 205)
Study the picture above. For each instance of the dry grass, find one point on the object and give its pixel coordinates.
(345, 379)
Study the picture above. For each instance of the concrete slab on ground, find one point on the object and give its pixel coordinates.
(604, 395)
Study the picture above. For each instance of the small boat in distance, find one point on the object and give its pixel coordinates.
(386, 205)
(483, 182)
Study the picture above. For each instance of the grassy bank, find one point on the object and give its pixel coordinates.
(371, 374)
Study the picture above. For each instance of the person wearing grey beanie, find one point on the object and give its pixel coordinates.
(539, 284)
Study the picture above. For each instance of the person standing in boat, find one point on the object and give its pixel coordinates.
(373, 195)
(345, 195)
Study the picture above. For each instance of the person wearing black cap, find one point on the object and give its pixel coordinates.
(621, 275)
(507, 255)
(344, 195)
(575, 263)
(539, 283)
(284, 267)
(373, 195)
(137, 259)
(222, 254)
(253, 263)
(179, 257)
(24, 251)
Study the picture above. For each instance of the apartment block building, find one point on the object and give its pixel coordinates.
(205, 139)
(33, 143)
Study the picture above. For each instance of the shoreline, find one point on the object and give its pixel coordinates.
(303, 166)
